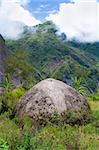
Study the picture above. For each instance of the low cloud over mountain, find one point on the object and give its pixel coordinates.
(13, 15)
(78, 19)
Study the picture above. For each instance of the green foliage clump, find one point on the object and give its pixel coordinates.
(77, 84)
(6, 85)
(94, 96)
(8, 100)
(9, 132)
(25, 143)
(3, 145)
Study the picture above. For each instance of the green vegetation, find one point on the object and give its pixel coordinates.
(44, 53)
(77, 84)
(94, 96)
(88, 47)
(22, 134)
(36, 56)
(6, 85)
(8, 100)
(3, 145)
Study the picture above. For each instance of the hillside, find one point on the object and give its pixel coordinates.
(92, 48)
(50, 55)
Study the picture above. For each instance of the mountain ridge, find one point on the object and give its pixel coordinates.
(51, 55)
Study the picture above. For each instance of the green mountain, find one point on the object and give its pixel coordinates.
(44, 52)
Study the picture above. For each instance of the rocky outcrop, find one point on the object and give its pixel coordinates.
(2, 56)
(49, 97)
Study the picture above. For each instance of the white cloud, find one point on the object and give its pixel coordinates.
(79, 19)
(83, 1)
(13, 16)
(44, 6)
(52, 11)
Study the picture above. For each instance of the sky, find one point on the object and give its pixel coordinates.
(78, 19)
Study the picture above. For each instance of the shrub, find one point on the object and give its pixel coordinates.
(94, 96)
(25, 143)
(55, 137)
(65, 137)
(8, 100)
(10, 132)
(71, 117)
(3, 145)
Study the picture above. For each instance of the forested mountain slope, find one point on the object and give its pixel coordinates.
(92, 48)
(43, 52)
